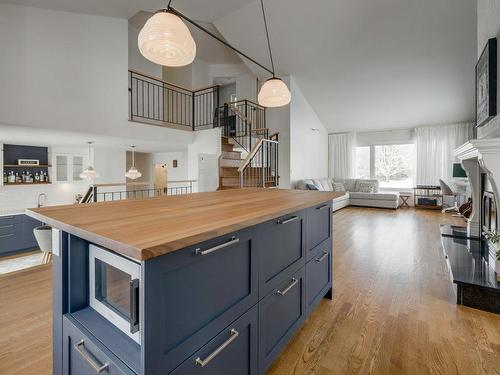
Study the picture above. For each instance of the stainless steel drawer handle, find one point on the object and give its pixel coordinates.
(7, 235)
(322, 207)
(203, 362)
(231, 242)
(7, 226)
(293, 218)
(7, 217)
(287, 289)
(322, 258)
(80, 348)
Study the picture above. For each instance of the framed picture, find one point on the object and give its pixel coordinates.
(486, 84)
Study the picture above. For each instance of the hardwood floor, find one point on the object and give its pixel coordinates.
(393, 310)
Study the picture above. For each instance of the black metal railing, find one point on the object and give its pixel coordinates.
(140, 190)
(157, 102)
(260, 168)
(244, 121)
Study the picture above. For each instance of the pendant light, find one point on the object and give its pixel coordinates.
(89, 174)
(166, 40)
(133, 173)
(274, 92)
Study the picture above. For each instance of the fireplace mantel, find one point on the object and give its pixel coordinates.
(474, 155)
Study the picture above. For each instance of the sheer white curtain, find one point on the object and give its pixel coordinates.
(435, 146)
(342, 151)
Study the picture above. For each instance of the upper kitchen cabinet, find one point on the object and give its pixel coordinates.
(67, 167)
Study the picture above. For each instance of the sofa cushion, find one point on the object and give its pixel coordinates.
(302, 184)
(323, 184)
(349, 183)
(375, 196)
(365, 187)
(311, 187)
(361, 184)
(342, 198)
(338, 186)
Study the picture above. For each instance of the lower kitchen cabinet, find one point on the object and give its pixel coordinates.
(83, 355)
(280, 315)
(319, 274)
(16, 233)
(233, 351)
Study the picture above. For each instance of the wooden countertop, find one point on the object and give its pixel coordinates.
(147, 228)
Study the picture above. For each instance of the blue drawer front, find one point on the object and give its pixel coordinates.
(318, 226)
(281, 250)
(82, 354)
(28, 239)
(9, 242)
(279, 318)
(12, 219)
(236, 355)
(319, 274)
(189, 298)
(8, 228)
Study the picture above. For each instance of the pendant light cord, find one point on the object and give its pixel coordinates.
(267, 36)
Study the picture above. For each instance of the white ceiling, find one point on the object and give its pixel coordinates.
(361, 64)
(365, 64)
(206, 10)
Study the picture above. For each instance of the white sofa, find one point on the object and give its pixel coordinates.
(352, 196)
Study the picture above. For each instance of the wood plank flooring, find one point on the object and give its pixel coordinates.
(393, 310)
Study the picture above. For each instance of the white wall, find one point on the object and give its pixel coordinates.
(488, 26)
(138, 62)
(308, 139)
(174, 174)
(111, 164)
(385, 137)
(68, 71)
(207, 142)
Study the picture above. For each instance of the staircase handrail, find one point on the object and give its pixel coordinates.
(254, 151)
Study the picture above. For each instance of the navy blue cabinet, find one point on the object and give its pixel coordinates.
(281, 244)
(224, 306)
(192, 294)
(16, 233)
(233, 351)
(280, 314)
(85, 356)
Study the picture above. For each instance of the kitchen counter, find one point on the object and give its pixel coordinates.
(148, 228)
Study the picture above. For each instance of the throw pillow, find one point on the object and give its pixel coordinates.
(311, 187)
(337, 186)
(366, 187)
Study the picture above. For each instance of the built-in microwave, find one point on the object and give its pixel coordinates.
(114, 289)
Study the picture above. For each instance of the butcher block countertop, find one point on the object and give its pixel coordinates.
(147, 228)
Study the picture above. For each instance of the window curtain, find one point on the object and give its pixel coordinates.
(342, 151)
(435, 148)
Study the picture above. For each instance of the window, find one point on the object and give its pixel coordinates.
(392, 165)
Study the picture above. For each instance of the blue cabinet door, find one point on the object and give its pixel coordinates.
(281, 244)
(83, 355)
(190, 295)
(319, 274)
(280, 315)
(233, 351)
(10, 235)
(318, 226)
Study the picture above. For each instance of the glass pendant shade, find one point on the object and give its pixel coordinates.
(166, 40)
(89, 174)
(133, 173)
(274, 93)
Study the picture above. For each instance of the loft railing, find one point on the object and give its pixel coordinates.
(135, 190)
(260, 168)
(244, 121)
(157, 102)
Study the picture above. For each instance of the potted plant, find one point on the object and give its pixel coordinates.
(494, 242)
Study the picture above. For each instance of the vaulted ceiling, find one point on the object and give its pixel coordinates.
(361, 64)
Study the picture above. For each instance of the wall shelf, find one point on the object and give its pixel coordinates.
(26, 184)
(26, 166)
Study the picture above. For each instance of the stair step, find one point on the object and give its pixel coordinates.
(227, 147)
(229, 172)
(230, 163)
(231, 154)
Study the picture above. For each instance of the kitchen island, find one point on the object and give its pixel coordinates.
(209, 283)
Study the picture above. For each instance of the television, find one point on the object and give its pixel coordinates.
(458, 171)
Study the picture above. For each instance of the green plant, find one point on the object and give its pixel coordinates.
(494, 237)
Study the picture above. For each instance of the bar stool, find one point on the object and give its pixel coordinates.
(43, 235)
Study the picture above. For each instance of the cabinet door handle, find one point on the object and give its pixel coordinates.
(7, 226)
(293, 218)
(322, 207)
(322, 257)
(80, 348)
(231, 242)
(203, 362)
(287, 289)
(7, 235)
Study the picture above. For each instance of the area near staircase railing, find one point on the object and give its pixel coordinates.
(260, 168)
(157, 102)
(135, 190)
(244, 121)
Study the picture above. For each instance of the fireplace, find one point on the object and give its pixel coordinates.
(488, 207)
